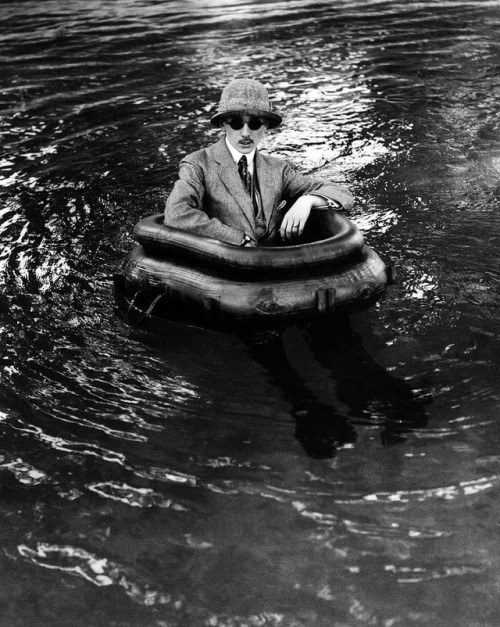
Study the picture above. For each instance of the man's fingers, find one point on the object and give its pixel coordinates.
(291, 229)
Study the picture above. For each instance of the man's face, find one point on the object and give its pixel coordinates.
(244, 139)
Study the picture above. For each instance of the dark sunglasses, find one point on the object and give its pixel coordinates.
(237, 123)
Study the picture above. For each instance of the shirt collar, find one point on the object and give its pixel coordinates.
(236, 154)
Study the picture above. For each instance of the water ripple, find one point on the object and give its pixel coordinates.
(135, 497)
(417, 574)
(96, 570)
(446, 493)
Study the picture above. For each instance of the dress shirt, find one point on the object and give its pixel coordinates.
(236, 154)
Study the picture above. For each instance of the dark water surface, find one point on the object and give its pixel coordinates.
(346, 475)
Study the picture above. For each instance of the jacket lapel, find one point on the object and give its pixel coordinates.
(266, 186)
(228, 174)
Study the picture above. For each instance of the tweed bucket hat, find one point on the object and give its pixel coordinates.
(245, 95)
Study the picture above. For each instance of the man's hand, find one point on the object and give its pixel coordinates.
(295, 218)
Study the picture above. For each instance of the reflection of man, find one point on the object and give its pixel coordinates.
(232, 192)
(367, 393)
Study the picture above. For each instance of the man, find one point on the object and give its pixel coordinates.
(232, 192)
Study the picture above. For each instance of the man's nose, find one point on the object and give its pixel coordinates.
(246, 129)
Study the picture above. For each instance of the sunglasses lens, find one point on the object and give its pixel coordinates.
(237, 123)
(254, 124)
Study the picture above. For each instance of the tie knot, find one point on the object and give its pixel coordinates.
(243, 160)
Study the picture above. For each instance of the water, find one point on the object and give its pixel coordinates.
(343, 475)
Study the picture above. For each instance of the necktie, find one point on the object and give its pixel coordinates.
(243, 170)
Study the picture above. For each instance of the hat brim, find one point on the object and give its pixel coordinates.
(273, 119)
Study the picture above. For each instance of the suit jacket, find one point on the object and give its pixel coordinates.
(209, 197)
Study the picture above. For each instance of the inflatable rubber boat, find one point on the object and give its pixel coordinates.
(186, 278)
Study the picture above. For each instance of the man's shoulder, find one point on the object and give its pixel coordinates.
(272, 160)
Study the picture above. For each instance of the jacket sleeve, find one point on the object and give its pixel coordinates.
(184, 207)
(296, 184)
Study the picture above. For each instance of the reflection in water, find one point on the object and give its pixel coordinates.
(370, 394)
(368, 390)
(320, 429)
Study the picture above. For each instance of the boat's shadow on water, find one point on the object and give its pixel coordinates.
(369, 394)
